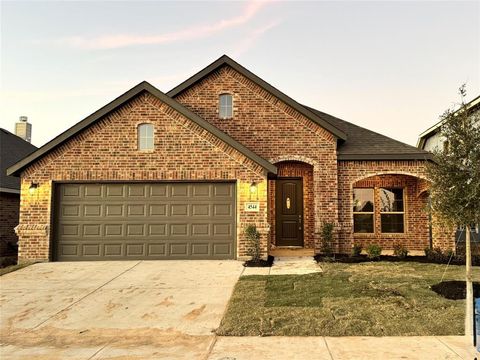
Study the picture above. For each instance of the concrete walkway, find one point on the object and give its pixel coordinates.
(161, 310)
(287, 266)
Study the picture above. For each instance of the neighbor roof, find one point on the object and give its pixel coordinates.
(225, 60)
(436, 128)
(143, 86)
(364, 144)
(12, 149)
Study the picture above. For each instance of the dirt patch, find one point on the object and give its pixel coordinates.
(260, 263)
(195, 313)
(455, 290)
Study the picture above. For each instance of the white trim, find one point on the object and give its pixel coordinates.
(11, 191)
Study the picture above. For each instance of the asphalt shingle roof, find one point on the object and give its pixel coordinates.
(12, 149)
(364, 144)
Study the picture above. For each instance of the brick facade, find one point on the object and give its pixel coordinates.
(9, 209)
(107, 151)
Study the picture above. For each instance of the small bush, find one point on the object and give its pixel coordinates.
(435, 254)
(327, 237)
(400, 251)
(374, 251)
(356, 250)
(253, 239)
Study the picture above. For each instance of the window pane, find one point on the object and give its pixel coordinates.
(363, 200)
(363, 223)
(225, 106)
(391, 200)
(145, 137)
(392, 223)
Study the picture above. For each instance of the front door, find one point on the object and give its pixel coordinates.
(289, 212)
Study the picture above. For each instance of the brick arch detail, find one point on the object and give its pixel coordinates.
(299, 158)
(380, 173)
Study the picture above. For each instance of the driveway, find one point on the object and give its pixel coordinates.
(114, 310)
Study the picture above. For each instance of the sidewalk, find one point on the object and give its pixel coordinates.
(344, 348)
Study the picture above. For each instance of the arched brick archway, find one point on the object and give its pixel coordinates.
(415, 235)
(292, 167)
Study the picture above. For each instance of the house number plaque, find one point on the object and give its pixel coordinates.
(252, 206)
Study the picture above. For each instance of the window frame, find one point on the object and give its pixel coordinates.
(372, 213)
(381, 212)
(145, 137)
(225, 107)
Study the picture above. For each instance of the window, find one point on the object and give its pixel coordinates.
(392, 210)
(225, 109)
(145, 137)
(363, 210)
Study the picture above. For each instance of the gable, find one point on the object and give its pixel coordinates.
(173, 106)
(295, 108)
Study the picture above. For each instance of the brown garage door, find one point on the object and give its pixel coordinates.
(144, 221)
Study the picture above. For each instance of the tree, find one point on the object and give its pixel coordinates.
(455, 176)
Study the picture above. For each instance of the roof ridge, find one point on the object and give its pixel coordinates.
(120, 100)
(226, 60)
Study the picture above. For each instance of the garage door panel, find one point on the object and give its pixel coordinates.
(144, 221)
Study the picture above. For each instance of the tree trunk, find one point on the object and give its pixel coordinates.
(469, 297)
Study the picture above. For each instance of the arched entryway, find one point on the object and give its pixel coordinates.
(291, 203)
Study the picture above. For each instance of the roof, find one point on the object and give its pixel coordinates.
(436, 128)
(12, 149)
(364, 144)
(225, 60)
(104, 111)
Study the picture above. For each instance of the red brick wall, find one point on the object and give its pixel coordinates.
(274, 131)
(9, 208)
(408, 174)
(107, 151)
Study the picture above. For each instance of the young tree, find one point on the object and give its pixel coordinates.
(455, 175)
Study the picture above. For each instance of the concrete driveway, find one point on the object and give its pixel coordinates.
(114, 310)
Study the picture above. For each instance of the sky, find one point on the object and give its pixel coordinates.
(392, 67)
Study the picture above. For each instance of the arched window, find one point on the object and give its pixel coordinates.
(145, 137)
(225, 109)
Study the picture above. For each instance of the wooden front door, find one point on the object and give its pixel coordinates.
(289, 212)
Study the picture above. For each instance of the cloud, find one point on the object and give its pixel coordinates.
(191, 33)
(252, 38)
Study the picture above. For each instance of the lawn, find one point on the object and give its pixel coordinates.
(368, 299)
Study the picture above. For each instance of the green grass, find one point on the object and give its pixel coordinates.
(368, 299)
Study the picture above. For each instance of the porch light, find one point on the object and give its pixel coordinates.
(33, 187)
(253, 190)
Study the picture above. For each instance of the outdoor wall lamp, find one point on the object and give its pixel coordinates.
(33, 187)
(253, 190)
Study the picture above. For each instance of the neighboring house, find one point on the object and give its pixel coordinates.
(180, 175)
(431, 140)
(12, 149)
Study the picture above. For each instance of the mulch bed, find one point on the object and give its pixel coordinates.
(260, 263)
(455, 290)
(348, 259)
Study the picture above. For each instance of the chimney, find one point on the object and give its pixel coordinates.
(23, 129)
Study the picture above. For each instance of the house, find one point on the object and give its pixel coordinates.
(12, 149)
(432, 140)
(179, 175)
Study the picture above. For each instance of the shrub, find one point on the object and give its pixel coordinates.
(400, 251)
(356, 249)
(374, 251)
(253, 239)
(327, 237)
(435, 254)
